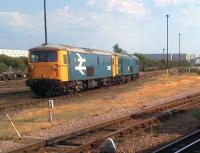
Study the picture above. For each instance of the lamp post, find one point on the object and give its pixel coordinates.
(45, 22)
(167, 43)
(163, 54)
(179, 60)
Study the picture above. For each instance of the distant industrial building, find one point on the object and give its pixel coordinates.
(14, 53)
(171, 57)
(195, 61)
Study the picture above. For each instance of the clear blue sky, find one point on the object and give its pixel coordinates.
(137, 25)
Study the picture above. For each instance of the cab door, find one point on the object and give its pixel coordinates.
(63, 66)
(115, 65)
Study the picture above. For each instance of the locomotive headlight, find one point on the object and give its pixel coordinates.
(55, 67)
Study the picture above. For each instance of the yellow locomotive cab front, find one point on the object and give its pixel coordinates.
(48, 69)
(48, 65)
(43, 65)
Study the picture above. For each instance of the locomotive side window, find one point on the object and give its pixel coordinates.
(43, 56)
(98, 60)
(65, 59)
(90, 70)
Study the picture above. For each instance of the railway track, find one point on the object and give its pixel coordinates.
(90, 137)
(188, 144)
(13, 92)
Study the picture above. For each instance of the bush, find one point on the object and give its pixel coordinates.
(16, 63)
(196, 114)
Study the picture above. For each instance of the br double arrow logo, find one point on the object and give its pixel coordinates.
(80, 67)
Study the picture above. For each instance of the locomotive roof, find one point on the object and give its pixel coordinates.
(51, 47)
(69, 48)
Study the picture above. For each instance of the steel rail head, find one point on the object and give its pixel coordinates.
(189, 147)
(174, 144)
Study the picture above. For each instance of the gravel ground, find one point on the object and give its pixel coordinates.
(6, 146)
(144, 141)
(150, 141)
(72, 125)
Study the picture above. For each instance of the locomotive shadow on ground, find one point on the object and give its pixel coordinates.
(136, 85)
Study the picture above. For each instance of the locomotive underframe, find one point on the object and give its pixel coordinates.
(49, 87)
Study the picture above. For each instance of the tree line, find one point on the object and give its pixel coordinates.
(146, 63)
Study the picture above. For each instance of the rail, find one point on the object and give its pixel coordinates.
(182, 145)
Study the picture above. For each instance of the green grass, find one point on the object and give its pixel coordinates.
(196, 114)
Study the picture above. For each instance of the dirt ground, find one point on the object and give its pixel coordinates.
(140, 94)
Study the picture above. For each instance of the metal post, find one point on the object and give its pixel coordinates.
(167, 43)
(50, 115)
(51, 106)
(45, 22)
(179, 49)
(163, 53)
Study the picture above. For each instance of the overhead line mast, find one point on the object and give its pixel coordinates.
(45, 22)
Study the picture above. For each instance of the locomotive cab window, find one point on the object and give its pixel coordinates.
(43, 56)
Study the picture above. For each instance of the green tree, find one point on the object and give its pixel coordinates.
(3, 67)
(142, 60)
(16, 63)
(119, 50)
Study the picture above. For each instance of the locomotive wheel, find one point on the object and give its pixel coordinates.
(39, 92)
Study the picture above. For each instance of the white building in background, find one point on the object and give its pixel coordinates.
(171, 57)
(14, 53)
(195, 61)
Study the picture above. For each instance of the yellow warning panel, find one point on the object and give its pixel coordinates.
(63, 66)
(115, 61)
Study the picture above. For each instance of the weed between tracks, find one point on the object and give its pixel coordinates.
(114, 100)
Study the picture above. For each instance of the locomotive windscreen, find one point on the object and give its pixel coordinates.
(44, 56)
